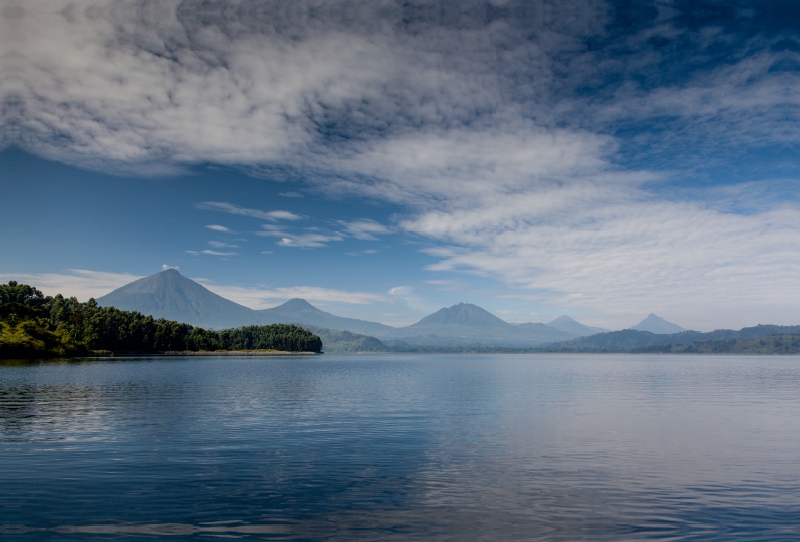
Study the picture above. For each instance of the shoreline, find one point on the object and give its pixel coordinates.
(109, 354)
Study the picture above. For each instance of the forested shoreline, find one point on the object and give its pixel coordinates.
(33, 325)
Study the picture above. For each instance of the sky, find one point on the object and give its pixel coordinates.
(384, 159)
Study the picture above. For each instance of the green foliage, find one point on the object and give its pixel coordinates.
(773, 344)
(278, 336)
(32, 325)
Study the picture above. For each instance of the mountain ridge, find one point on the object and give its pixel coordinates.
(567, 324)
(170, 295)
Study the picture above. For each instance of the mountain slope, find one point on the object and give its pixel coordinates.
(334, 340)
(463, 314)
(545, 333)
(172, 296)
(300, 311)
(565, 323)
(656, 324)
(469, 324)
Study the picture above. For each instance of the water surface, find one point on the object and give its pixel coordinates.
(398, 447)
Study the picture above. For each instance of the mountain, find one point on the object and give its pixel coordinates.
(461, 315)
(469, 324)
(172, 296)
(659, 326)
(300, 311)
(334, 340)
(546, 333)
(565, 323)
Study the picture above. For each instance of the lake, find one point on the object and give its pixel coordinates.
(398, 447)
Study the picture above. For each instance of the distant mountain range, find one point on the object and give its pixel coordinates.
(172, 296)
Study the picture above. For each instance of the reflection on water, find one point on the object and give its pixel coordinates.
(394, 447)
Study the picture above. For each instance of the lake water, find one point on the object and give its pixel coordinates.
(398, 447)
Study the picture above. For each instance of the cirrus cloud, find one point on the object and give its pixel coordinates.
(243, 211)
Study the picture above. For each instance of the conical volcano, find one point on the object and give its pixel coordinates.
(172, 296)
(463, 314)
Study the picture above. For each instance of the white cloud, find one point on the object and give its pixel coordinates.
(217, 227)
(80, 283)
(291, 195)
(364, 229)
(629, 253)
(408, 295)
(306, 240)
(498, 137)
(264, 298)
(210, 253)
(164, 267)
(254, 213)
(219, 244)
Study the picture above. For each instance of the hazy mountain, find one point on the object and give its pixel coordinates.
(565, 323)
(469, 324)
(546, 333)
(335, 340)
(172, 296)
(463, 314)
(656, 324)
(300, 311)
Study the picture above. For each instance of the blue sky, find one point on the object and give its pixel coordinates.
(384, 159)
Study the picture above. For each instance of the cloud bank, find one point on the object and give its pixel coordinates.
(549, 145)
(79, 283)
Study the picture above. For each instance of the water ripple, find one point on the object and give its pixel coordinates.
(400, 447)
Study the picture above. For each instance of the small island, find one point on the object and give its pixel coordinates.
(33, 325)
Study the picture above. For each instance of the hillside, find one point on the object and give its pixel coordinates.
(300, 311)
(467, 324)
(630, 340)
(568, 325)
(35, 326)
(773, 344)
(335, 340)
(544, 333)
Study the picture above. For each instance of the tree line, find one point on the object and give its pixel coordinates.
(34, 325)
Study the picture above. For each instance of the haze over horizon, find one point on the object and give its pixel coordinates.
(603, 160)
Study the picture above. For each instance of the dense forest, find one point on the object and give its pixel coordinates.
(773, 344)
(33, 325)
